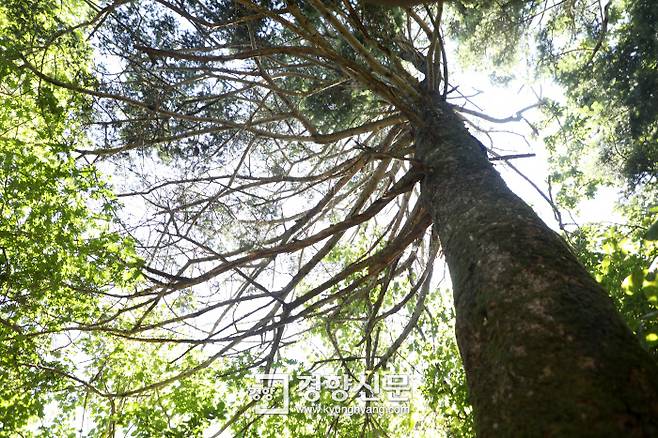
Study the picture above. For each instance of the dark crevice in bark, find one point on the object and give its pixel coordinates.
(545, 351)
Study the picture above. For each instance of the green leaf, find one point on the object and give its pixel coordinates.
(652, 232)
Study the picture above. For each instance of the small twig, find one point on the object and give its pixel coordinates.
(511, 157)
(516, 117)
(604, 30)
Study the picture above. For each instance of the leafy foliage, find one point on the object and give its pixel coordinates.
(58, 254)
(624, 260)
(611, 79)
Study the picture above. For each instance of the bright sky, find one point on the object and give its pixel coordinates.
(503, 101)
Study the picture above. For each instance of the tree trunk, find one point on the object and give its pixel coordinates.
(546, 353)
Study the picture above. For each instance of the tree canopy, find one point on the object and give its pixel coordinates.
(196, 191)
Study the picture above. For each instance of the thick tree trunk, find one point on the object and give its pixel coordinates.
(546, 353)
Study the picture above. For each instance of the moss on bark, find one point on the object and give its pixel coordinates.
(545, 351)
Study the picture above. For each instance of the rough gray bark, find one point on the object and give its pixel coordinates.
(545, 351)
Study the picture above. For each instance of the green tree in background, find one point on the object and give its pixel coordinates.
(57, 256)
(622, 259)
(611, 81)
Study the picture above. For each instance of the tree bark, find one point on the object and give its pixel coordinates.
(546, 353)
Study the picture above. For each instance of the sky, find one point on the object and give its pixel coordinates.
(502, 101)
